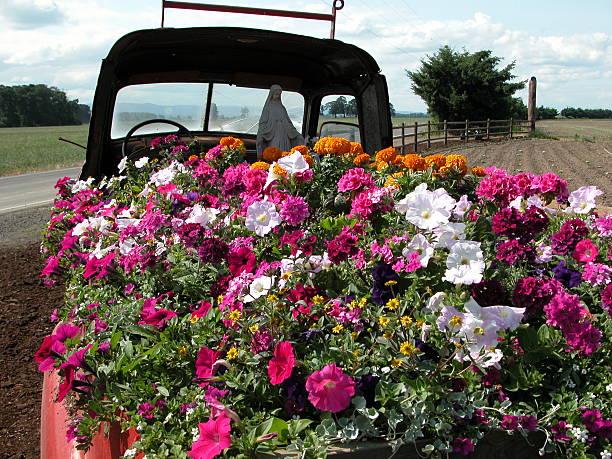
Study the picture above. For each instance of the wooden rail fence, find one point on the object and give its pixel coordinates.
(413, 135)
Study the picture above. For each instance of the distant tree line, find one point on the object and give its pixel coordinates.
(344, 107)
(571, 112)
(39, 105)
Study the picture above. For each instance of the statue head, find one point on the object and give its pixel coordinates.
(275, 92)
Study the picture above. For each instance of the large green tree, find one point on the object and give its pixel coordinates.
(36, 105)
(460, 85)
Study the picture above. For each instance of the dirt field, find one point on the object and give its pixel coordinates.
(578, 129)
(580, 163)
(25, 305)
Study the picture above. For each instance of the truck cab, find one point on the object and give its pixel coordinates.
(212, 82)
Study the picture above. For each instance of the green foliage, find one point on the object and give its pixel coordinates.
(571, 112)
(459, 86)
(546, 113)
(37, 105)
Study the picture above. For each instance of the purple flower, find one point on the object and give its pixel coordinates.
(529, 423)
(566, 276)
(490, 292)
(381, 290)
(463, 446)
(509, 422)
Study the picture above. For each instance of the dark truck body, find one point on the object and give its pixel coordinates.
(242, 57)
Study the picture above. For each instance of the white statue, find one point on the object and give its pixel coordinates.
(275, 128)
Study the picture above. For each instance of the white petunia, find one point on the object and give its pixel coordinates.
(462, 206)
(426, 209)
(262, 217)
(434, 304)
(420, 245)
(122, 164)
(81, 185)
(465, 263)
(450, 233)
(582, 201)
(165, 176)
(202, 215)
(293, 163)
(259, 287)
(142, 162)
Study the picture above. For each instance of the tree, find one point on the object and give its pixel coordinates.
(351, 107)
(36, 105)
(546, 113)
(391, 109)
(459, 86)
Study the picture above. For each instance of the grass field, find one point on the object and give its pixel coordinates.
(577, 129)
(31, 149)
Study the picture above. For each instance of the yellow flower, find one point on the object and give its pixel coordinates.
(272, 298)
(390, 282)
(362, 302)
(253, 328)
(457, 345)
(419, 323)
(338, 328)
(383, 321)
(406, 320)
(235, 315)
(182, 350)
(355, 334)
(286, 276)
(194, 319)
(455, 321)
(387, 335)
(396, 363)
(392, 304)
(278, 170)
(406, 348)
(260, 165)
(356, 353)
(318, 299)
(232, 353)
(219, 298)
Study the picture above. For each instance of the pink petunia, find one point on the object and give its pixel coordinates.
(214, 438)
(330, 389)
(281, 365)
(585, 251)
(204, 363)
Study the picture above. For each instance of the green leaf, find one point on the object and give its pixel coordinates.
(162, 390)
(528, 338)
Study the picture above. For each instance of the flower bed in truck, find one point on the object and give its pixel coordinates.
(324, 296)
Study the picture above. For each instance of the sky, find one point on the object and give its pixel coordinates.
(566, 45)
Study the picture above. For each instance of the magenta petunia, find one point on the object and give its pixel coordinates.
(204, 363)
(214, 438)
(329, 389)
(281, 365)
(463, 446)
(585, 251)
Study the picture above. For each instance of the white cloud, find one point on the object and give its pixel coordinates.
(69, 55)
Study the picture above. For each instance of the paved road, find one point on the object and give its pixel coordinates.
(22, 191)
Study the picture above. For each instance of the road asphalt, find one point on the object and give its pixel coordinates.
(20, 192)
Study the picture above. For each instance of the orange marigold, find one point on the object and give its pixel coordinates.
(397, 160)
(391, 181)
(271, 153)
(478, 171)
(361, 159)
(356, 149)
(380, 165)
(278, 170)
(332, 146)
(261, 165)
(301, 148)
(193, 157)
(308, 159)
(414, 162)
(457, 161)
(231, 142)
(387, 155)
(435, 161)
(286, 153)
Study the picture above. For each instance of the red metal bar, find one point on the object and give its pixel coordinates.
(337, 5)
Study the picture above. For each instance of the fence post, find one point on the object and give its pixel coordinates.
(428, 134)
(416, 134)
(403, 137)
(511, 125)
(467, 133)
(488, 126)
(445, 133)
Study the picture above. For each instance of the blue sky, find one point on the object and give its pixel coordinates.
(567, 45)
